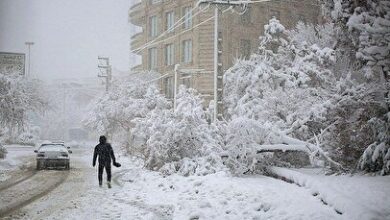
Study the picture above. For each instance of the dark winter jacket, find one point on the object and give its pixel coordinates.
(105, 153)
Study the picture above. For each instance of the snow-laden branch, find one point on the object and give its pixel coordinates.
(312, 148)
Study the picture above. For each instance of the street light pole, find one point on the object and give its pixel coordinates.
(29, 44)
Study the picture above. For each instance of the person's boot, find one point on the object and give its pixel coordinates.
(100, 184)
(109, 185)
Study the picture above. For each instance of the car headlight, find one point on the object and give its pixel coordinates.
(64, 155)
(41, 154)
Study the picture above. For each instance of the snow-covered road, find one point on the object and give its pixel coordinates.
(141, 194)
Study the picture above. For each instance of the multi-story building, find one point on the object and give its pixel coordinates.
(191, 43)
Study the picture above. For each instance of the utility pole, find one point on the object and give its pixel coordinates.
(29, 44)
(218, 68)
(216, 12)
(175, 87)
(105, 70)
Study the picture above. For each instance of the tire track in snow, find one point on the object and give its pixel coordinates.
(317, 195)
(16, 197)
(12, 182)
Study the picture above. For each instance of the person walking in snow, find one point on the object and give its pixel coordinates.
(105, 153)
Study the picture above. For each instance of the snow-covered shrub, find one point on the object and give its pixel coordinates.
(242, 139)
(175, 141)
(3, 152)
(377, 155)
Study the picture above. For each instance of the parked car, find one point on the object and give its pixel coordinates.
(53, 156)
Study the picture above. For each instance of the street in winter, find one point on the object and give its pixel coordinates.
(195, 109)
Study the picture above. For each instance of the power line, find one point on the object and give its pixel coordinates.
(187, 30)
(175, 25)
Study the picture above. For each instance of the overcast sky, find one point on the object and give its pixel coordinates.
(68, 34)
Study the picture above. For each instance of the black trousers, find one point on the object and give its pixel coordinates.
(108, 171)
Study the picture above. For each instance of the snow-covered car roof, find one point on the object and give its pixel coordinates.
(52, 147)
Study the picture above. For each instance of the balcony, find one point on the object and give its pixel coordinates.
(137, 41)
(136, 14)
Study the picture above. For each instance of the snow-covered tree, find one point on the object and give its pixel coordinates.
(18, 98)
(313, 85)
(131, 97)
(364, 35)
(289, 84)
(282, 84)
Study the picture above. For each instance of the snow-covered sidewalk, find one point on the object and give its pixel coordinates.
(138, 193)
(141, 194)
(355, 196)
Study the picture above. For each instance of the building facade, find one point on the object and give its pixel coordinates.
(191, 43)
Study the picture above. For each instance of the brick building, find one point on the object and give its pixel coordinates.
(191, 44)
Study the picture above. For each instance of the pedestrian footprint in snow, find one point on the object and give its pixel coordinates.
(105, 153)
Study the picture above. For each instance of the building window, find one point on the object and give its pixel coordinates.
(274, 14)
(169, 54)
(187, 11)
(187, 51)
(245, 48)
(246, 17)
(170, 21)
(153, 26)
(169, 87)
(152, 58)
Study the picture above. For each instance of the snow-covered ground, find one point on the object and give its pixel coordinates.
(141, 194)
(356, 196)
(18, 158)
